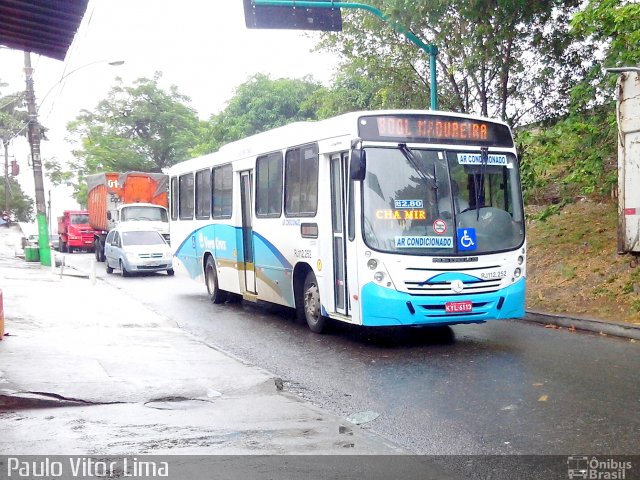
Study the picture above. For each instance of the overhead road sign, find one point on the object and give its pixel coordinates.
(294, 17)
(308, 15)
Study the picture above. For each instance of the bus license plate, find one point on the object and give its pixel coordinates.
(458, 307)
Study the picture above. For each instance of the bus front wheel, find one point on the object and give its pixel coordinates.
(211, 279)
(311, 297)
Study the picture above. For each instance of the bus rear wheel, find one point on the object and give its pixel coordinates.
(311, 298)
(211, 279)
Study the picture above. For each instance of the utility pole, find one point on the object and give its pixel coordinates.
(6, 176)
(35, 134)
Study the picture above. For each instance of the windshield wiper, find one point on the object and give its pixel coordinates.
(411, 158)
(479, 183)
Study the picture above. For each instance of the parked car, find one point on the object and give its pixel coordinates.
(54, 241)
(133, 250)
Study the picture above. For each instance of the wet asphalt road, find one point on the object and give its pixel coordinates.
(506, 387)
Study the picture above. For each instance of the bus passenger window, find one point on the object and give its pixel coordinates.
(222, 189)
(269, 185)
(174, 198)
(185, 202)
(301, 181)
(203, 194)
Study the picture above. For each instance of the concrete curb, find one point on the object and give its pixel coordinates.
(624, 330)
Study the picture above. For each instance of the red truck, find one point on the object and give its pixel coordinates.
(74, 231)
(115, 198)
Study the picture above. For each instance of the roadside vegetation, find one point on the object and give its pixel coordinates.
(539, 66)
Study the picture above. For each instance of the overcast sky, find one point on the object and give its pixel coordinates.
(201, 46)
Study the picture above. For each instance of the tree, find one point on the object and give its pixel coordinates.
(20, 205)
(260, 104)
(505, 59)
(140, 127)
(613, 27)
(13, 123)
(354, 89)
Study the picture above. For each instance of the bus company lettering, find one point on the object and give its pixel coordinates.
(452, 130)
(401, 215)
(424, 242)
(212, 244)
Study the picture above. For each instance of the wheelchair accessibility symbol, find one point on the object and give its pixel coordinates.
(467, 239)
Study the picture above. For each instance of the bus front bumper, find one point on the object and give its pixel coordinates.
(385, 307)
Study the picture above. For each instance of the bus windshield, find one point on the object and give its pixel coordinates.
(441, 202)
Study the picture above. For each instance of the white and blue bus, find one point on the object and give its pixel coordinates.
(381, 218)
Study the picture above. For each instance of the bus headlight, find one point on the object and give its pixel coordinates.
(378, 277)
(372, 264)
(520, 260)
(517, 272)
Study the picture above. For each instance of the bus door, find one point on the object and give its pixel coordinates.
(338, 217)
(246, 196)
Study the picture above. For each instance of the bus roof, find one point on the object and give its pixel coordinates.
(303, 132)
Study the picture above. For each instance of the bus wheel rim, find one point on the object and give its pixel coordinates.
(312, 302)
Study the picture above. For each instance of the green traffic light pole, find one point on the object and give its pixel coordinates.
(432, 50)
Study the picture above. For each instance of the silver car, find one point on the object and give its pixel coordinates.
(131, 251)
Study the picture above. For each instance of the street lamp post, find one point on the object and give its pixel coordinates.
(34, 135)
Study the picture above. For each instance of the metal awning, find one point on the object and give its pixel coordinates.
(45, 27)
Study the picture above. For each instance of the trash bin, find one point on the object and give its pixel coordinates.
(32, 254)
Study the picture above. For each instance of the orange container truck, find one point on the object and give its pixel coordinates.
(115, 198)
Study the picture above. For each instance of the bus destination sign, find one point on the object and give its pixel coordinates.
(434, 129)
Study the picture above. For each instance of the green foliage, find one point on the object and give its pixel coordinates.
(20, 205)
(575, 157)
(13, 117)
(13, 123)
(141, 127)
(260, 104)
(511, 60)
(612, 27)
(547, 212)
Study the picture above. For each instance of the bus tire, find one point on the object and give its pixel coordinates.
(211, 279)
(311, 298)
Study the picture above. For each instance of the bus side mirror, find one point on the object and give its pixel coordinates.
(358, 164)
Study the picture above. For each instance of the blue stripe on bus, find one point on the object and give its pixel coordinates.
(450, 276)
(225, 241)
(385, 307)
(270, 250)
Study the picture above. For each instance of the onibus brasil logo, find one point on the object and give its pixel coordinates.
(598, 469)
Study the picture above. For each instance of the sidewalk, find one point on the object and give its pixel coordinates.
(87, 370)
